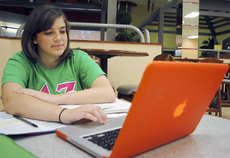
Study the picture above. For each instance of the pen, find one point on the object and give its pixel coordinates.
(29, 123)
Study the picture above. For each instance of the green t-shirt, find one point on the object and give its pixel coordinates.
(72, 74)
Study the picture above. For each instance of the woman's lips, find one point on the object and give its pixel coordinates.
(59, 45)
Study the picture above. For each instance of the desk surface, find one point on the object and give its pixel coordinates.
(104, 54)
(211, 139)
(109, 52)
(188, 60)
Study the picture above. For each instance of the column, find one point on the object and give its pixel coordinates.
(111, 19)
(187, 31)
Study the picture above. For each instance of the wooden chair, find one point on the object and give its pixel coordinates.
(127, 91)
(164, 57)
(211, 60)
(187, 60)
(225, 93)
(215, 105)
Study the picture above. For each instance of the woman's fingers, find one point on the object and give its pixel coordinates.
(89, 112)
(104, 116)
(99, 114)
(89, 116)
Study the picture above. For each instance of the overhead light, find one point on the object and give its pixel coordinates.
(83, 9)
(192, 37)
(192, 15)
(9, 29)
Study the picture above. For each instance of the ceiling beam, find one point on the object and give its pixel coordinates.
(225, 24)
(223, 32)
(214, 5)
(215, 14)
(210, 26)
(221, 20)
(97, 2)
(104, 5)
(63, 6)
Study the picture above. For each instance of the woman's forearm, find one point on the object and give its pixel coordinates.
(88, 96)
(28, 106)
(101, 91)
(31, 107)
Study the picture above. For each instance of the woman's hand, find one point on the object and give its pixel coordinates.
(50, 98)
(68, 116)
(87, 112)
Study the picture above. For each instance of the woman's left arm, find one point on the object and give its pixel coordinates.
(101, 91)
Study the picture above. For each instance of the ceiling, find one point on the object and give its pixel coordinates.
(214, 14)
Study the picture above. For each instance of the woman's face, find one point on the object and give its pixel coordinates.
(52, 42)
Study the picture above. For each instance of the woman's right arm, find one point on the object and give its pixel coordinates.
(31, 107)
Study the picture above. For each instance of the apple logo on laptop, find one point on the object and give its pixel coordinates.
(180, 109)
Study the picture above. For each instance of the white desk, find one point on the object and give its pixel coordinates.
(211, 139)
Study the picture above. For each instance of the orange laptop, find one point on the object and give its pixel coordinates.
(169, 103)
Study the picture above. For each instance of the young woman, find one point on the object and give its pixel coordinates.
(46, 73)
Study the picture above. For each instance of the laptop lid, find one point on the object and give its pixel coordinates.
(169, 103)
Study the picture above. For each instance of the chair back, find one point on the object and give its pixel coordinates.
(164, 57)
(211, 60)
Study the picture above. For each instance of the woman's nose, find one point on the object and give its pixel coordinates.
(57, 37)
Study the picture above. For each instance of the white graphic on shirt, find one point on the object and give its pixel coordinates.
(68, 86)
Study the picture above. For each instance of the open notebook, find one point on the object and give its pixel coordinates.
(169, 103)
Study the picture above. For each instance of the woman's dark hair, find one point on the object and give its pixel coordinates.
(41, 19)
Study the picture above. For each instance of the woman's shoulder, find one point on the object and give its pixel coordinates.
(78, 52)
(19, 55)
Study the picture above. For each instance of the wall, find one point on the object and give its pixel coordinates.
(121, 69)
(8, 48)
(140, 13)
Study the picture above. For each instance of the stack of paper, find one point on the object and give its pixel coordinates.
(116, 109)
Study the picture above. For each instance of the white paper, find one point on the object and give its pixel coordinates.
(10, 125)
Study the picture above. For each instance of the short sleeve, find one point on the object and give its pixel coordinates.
(88, 70)
(17, 70)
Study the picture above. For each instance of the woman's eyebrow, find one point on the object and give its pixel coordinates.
(63, 27)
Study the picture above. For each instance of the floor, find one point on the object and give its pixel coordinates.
(225, 112)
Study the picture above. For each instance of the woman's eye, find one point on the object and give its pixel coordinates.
(48, 33)
(62, 31)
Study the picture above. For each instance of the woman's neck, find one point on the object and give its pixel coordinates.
(49, 63)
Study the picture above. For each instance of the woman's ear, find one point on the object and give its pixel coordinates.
(35, 40)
